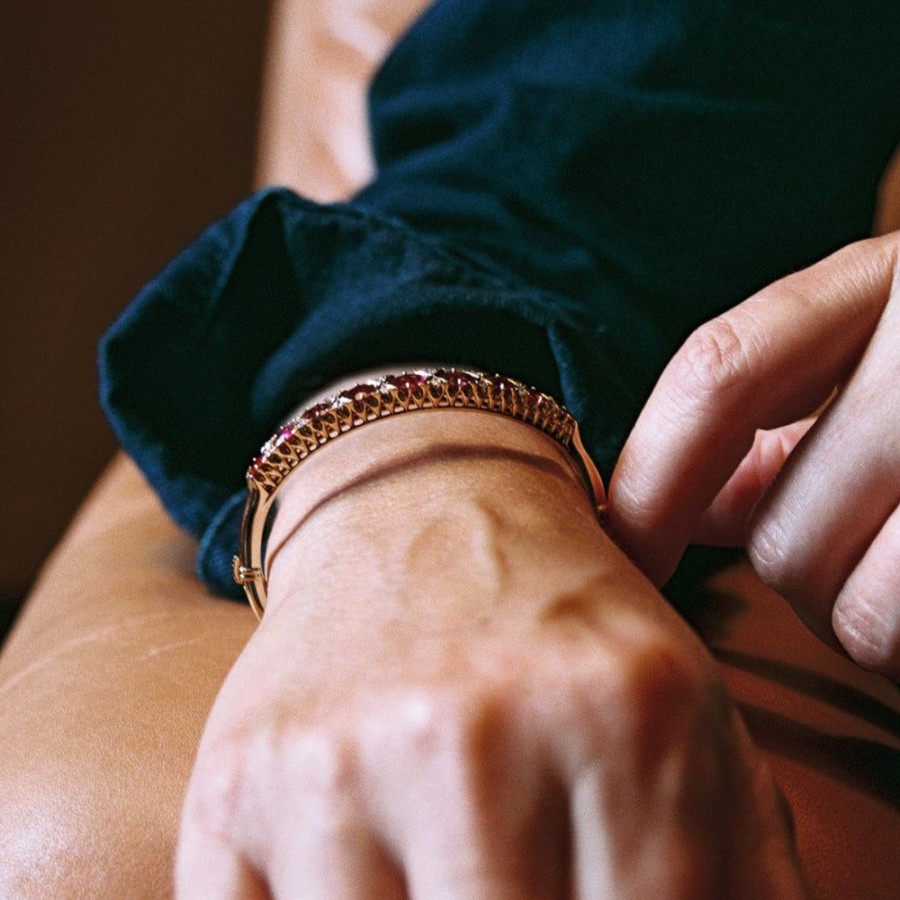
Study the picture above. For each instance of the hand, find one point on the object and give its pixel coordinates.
(826, 532)
(462, 689)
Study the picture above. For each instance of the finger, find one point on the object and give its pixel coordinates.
(662, 859)
(837, 489)
(337, 862)
(317, 851)
(482, 848)
(641, 761)
(207, 866)
(458, 790)
(299, 819)
(724, 522)
(764, 364)
(866, 616)
(594, 871)
(209, 861)
(703, 820)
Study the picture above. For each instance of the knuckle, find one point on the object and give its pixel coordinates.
(663, 680)
(219, 783)
(451, 741)
(244, 766)
(315, 757)
(648, 691)
(450, 723)
(716, 358)
(679, 709)
(321, 762)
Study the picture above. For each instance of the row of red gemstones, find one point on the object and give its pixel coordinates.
(409, 381)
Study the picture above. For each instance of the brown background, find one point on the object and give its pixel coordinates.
(127, 127)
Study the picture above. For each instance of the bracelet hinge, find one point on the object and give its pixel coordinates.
(242, 574)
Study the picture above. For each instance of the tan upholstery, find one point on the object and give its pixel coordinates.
(108, 676)
(830, 731)
(104, 688)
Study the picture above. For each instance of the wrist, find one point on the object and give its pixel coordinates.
(371, 402)
(442, 480)
(446, 525)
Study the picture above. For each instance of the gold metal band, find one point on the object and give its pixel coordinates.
(425, 389)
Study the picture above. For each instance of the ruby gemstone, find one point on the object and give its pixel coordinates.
(453, 378)
(317, 410)
(360, 392)
(408, 380)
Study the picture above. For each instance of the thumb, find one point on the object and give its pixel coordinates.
(724, 523)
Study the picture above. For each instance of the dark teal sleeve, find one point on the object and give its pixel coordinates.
(564, 191)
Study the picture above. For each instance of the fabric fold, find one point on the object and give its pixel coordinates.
(564, 191)
(282, 297)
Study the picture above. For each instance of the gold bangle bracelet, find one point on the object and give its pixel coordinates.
(425, 389)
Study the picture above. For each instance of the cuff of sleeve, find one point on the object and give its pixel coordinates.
(283, 296)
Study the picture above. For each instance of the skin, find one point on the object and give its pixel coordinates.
(729, 449)
(462, 688)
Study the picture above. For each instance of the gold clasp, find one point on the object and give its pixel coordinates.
(242, 574)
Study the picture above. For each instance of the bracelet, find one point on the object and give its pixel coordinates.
(370, 401)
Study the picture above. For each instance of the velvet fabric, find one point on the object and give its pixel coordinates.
(563, 192)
